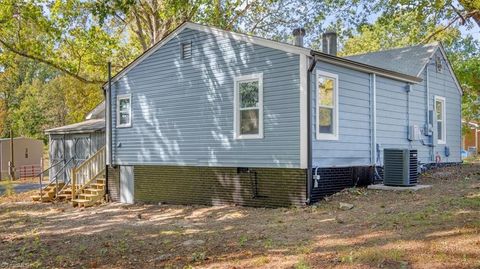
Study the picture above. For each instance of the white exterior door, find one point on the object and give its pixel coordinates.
(126, 184)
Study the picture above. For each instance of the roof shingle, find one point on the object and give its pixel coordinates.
(406, 60)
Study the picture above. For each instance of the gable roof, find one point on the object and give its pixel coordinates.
(97, 113)
(87, 126)
(262, 42)
(410, 60)
(407, 60)
(365, 67)
(209, 29)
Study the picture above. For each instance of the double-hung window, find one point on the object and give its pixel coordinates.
(124, 110)
(327, 106)
(440, 118)
(248, 105)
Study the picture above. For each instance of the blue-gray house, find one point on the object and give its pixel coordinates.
(210, 116)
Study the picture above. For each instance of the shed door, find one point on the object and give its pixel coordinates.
(126, 184)
(56, 155)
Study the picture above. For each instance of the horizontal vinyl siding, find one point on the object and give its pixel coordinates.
(393, 120)
(443, 84)
(418, 116)
(183, 109)
(219, 185)
(353, 146)
(392, 123)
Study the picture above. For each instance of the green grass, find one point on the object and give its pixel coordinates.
(467, 202)
(431, 214)
(302, 264)
(242, 240)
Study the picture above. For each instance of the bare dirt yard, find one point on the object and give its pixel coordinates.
(430, 228)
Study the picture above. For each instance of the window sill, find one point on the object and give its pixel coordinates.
(441, 142)
(246, 137)
(123, 126)
(327, 137)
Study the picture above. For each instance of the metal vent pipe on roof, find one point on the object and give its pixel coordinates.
(298, 33)
(329, 43)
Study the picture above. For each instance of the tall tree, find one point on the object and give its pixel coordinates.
(60, 34)
(448, 13)
(405, 30)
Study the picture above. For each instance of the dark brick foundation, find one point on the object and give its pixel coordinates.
(335, 179)
(114, 183)
(259, 187)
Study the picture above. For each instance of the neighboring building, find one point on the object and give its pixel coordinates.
(27, 156)
(471, 138)
(210, 116)
(72, 144)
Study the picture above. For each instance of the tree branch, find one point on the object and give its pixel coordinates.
(239, 13)
(429, 37)
(463, 17)
(50, 63)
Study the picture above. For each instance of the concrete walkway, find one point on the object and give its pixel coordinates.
(398, 188)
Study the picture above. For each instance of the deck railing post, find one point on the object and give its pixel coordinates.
(74, 178)
(41, 187)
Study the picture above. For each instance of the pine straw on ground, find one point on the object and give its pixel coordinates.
(431, 228)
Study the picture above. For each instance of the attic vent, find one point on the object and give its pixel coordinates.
(438, 64)
(186, 50)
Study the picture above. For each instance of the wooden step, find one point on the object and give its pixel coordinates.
(93, 191)
(68, 189)
(89, 195)
(97, 185)
(83, 202)
(45, 198)
(64, 194)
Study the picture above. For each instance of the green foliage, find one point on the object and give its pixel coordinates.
(400, 31)
(409, 28)
(60, 34)
(28, 118)
(465, 60)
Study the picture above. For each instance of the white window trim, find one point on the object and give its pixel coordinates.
(444, 119)
(121, 97)
(236, 106)
(321, 136)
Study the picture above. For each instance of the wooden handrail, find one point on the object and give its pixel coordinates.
(89, 170)
(102, 149)
(54, 178)
(83, 186)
